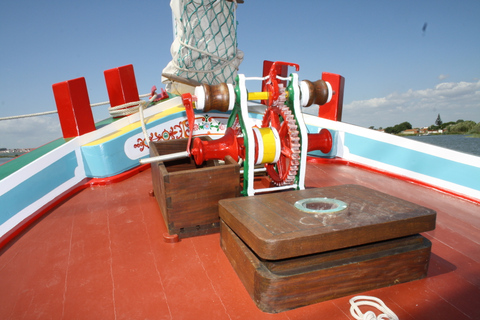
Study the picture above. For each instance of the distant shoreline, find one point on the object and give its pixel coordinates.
(466, 135)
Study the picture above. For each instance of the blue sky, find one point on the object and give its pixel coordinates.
(394, 71)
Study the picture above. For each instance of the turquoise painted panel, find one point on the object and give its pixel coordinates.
(415, 161)
(109, 158)
(37, 186)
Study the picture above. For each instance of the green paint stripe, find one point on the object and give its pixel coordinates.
(16, 164)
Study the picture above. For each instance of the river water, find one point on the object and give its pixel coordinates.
(457, 142)
(462, 143)
(3, 160)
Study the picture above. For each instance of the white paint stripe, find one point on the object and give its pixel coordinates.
(33, 207)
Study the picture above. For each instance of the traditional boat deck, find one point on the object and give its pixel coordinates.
(101, 255)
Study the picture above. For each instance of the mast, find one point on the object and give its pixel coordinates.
(204, 49)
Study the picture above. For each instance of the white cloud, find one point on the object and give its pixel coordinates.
(443, 77)
(29, 132)
(453, 100)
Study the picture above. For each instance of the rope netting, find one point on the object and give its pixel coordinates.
(205, 44)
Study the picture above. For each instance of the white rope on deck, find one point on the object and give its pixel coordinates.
(55, 111)
(358, 301)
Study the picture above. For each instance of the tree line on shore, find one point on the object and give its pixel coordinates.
(458, 127)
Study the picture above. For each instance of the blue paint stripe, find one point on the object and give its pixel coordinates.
(37, 186)
(109, 159)
(419, 162)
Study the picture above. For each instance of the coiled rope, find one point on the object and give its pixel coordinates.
(166, 157)
(358, 301)
(126, 108)
(141, 106)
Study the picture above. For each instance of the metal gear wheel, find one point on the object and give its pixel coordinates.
(280, 117)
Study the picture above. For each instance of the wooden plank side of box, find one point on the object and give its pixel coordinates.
(192, 195)
(158, 183)
(187, 194)
(390, 263)
(348, 255)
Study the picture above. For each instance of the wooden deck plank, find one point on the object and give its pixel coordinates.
(446, 259)
(415, 301)
(134, 265)
(456, 240)
(88, 278)
(101, 254)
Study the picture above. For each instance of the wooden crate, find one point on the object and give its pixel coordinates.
(287, 257)
(277, 286)
(188, 194)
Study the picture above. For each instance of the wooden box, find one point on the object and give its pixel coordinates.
(277, 286)
(287, 257)
(188, 194)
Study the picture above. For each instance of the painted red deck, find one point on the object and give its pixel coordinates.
(101, 255)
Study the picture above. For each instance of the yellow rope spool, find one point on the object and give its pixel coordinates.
(260, 95)
(267, 145)
(257, 96)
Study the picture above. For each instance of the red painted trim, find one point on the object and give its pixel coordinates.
(282, 70)
(341, 161)
(117, 178)
(85, 183)
(333, 110)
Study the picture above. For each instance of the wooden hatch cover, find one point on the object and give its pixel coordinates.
(275, 228)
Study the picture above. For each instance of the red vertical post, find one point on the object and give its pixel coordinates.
(121, 85)
(282, 70)
(333, 110)
(73, 105)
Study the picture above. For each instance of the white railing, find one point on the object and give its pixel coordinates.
(55, 111)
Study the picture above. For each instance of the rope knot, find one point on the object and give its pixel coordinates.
(370, 315)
